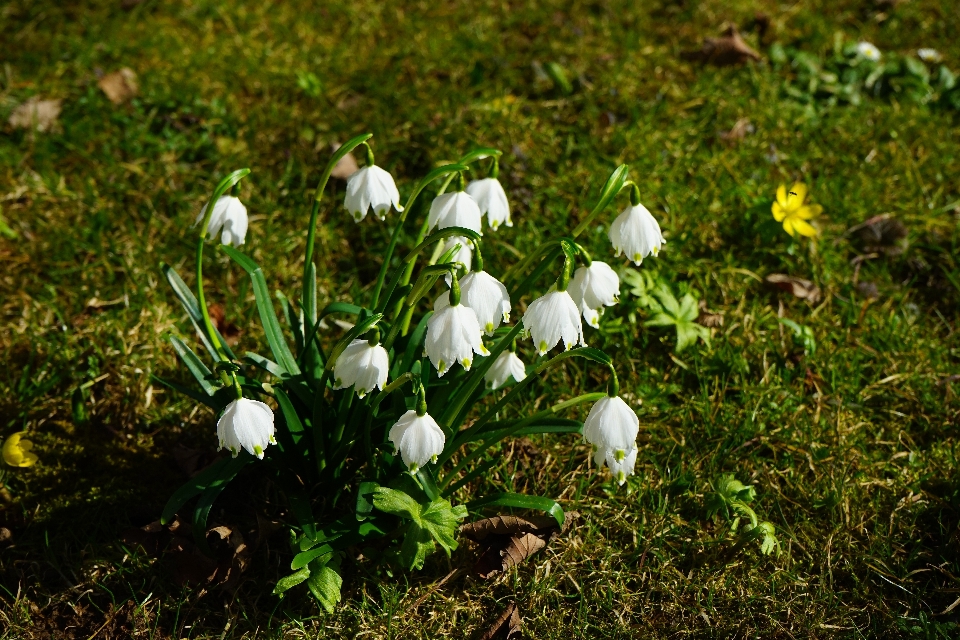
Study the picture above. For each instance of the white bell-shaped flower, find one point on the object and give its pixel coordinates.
(484, 294)
(492, 201)
(868, 50)
(593, 288)
(506, 365)
(551, 318)
(636, 234)
(620, 463)
(371, 188)
(419, 439)
(612, 425)
(453, 335)
(362, 366)
(246, 424)
(456, 209)
(230, 215)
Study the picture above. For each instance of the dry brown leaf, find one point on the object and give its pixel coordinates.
(36, 114)
(727, 50)
(345, 167)
(506, 627)
(506, 525)
(740, 130)
(119, 86)
(798, 287)
(229, 331)
(709, 318)
(509, 540)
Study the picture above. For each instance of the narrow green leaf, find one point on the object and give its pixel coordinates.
(268, 316)
(221, 471)
(192, 307)
(304, 558)
(195, 365)
(210, 401)
(520, 501)
(267, 365)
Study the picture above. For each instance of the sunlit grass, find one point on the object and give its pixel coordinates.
(851, 448)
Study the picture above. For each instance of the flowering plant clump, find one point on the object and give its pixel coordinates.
(398, 413)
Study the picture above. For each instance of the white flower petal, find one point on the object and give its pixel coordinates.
(507, 365)
(371, 187)
(636, 233)
(551, 318)
(419, 439)
(246, 424)
(487, 297)
(611, 424)
(453, 335)
(455, 209)
(593, 288)
(230, 215)
(361, 366)
(492, 201)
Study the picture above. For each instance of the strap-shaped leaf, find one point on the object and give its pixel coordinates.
(195, 365)
(192, 307)
(481, 470)
(219, 472)
(300, 505)
(310, 358)
(292, 420)
(520, 501)
(268, 316)
(414, 344)
(210, 401)
(266, 364)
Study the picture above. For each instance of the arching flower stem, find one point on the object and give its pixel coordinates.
(610, 189)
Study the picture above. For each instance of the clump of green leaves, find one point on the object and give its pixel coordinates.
(802, 335)
(665, 310)
(844, 76)
(731, 500)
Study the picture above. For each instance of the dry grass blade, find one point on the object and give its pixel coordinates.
(505, 627)
(798, 287)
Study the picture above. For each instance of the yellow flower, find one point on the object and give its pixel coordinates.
(790, 210)
(16, 452)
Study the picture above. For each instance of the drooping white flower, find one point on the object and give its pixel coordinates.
(551, 318)
(611, 425)
(636, 234)
(361, 366)
(868, 51)
(453, 335)
(246, 424)
(929, 55)
(593, 288)
(485, 295)
(506, 365)
(492, 201)
(620, 463)
(419, 439)
(371, 188)
(230, 215)
(456, 209)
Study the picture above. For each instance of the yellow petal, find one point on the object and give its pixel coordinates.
(801, 190)
(788, 226)
(778, 212)
(808, 212)
(803, 228)
(16, 452)
(782, 195)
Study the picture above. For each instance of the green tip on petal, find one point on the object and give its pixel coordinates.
(234, 452)
(441, 366)
(638, 258)
(466, 363)
(489, 327)
(413, 467)
(621, 454)
(361, 393)
(258, 450)
(543, 346)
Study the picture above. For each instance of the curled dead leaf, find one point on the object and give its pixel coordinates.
(119, 86)
(798, 287)
(345, 167)
(37, 114)
(727, 50)
(505, 627)
(506, 541)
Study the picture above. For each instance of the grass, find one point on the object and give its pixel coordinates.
(852, 448)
